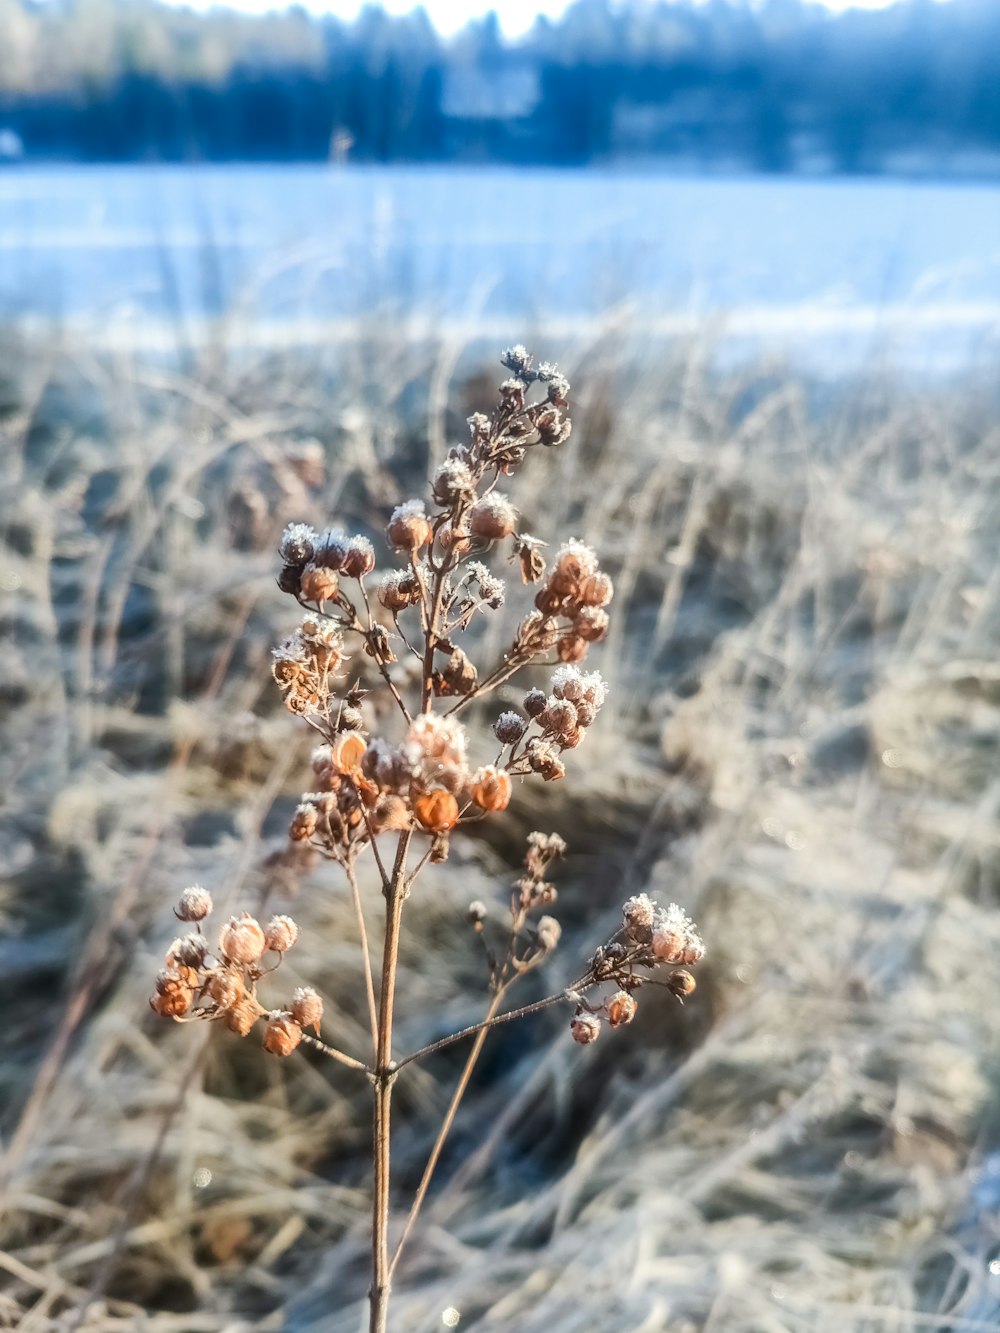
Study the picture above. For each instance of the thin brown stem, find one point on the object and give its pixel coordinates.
(382, 1080)
(382, 666)
(366, 958)
(324, 1048)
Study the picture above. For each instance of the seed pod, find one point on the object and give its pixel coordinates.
(668, 944)
(318, 584)
(534, 702)
(585, 1028)
(638, 915)
(571, 649)
(558, 716)
(297, 544)
(547, 933)
(241, 1018)
(389, 813)
(347, 751)
(290, 579)
(331, 550)
(225, 988)
(492, 518)
(173, 1003)
(242, 940)
(408, 528)
(694, 949)
(398, 590)
(509, 728)
(195, 904)
(451, 538)
(682, 983)
(282, 1034)
(476, 913)
(189, 951)
(307, 1008)
(359, 558)
(597, 590)
(491, 788)
(621, 1009)
(591, 623)
(436, 810)
(281, 934)
(304, 822)
(459, 676)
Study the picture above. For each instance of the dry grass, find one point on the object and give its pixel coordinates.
(801, 747)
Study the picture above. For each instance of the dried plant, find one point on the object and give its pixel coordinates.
(414, 782)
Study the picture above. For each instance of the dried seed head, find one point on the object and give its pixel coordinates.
(173, 1003)
(350, 719)
(585, 1028)
(359, 558)
(491, 788)
(517, 360)
(553, 427)
(225, 988)
(597, 590)
(194, 905)
(453, 482)
(390, 813)
(189, 951)
(458, 677)
(282, 1034)
(290, 579)
(304, 822)
(281, 934)
(318, 584)
(638, 915)
(408, 528)
(331, 550)
(297, 544)
(532, 562)
(543, 758)
(591, 624)
(694, 949)
(433, 737)
(571, 648)
(307, 1008)
(682, 983)
(436, 810)
(242, 1016)
(547, 933)
(558, 716)
(451, 538)
(673, 935)
(509, 728)
(476, 913)
(242, 940)
(399, 589)
(534, 703)
(347, 752)
(492, 518)
(621, 1009)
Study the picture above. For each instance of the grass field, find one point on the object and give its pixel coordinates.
(800, 746)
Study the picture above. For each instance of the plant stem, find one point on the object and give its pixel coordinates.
(382, 1080)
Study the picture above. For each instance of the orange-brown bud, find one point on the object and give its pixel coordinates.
(347, 751)
(391, 812)
(572, 649)
(436, 810)
(282, 1034)
(491, 788)
(174, 1002)
(307, 1008)
(598, 590)
(682, 983)
(242, 940)
(492, 518)
(304, 822)
(195, 904)
(359, 557)
(591, 623)
(621, 1009)
(668, 944)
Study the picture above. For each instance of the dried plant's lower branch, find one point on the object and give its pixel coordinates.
(382, 1080)
(366, 958)
(318, 1045)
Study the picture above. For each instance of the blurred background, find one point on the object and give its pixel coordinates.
(257, 267)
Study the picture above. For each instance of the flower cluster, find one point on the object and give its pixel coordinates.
(555, 722)
(198, 981)
(527, 946)
(651, 937)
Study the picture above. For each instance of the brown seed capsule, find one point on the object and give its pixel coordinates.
(543, 759)
(347, 752)
(668, 944)
(398, 590)
(585, 1028)
(225, 988)
(436, 810)
(694, 949)
(531, 560)
(682, 983)
(290, 579)
(307, 1008)
(621, 1009)
(591, 623)
(509, 728)
(173, 1003)
(331, 550)
(598, 590)
(451, 538)
(281, 934)
(408, 528)
(638, 915)
(241, 1018)
(558, 716)
(491, 788)
(304, 822)
(318, 584)
(390, 813)
(549, 601)
(534, 702)
(492, 518)
(188, 952)
(195, 904)
(458, 677)
(571, 649)
(359, 558)
(282, 1034)
(242, 940)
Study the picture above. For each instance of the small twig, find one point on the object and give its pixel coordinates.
(366, 959)
(325, 1049)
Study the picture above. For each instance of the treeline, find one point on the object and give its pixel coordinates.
(782, 86)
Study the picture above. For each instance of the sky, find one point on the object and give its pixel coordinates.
(448, 16)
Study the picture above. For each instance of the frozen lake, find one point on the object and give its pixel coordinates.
(307, 250)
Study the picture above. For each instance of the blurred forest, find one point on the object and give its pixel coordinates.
(785, 86)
